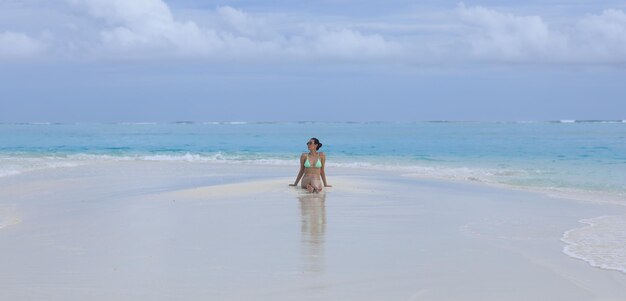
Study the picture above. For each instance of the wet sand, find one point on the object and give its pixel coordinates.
(188, 231)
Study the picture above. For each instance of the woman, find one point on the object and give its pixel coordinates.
(312, 168)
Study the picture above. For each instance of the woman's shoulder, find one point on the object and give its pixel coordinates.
(322, 154)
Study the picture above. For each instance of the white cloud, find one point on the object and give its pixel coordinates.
(239, 21)
(602, 37)
(497, 36)
(346, 43)
(502, 36)
(14, 45)
(147, 28)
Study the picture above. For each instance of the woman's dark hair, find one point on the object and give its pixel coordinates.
(317, 142)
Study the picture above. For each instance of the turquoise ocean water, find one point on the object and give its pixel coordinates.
(586, 157)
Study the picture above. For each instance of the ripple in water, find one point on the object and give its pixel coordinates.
(8, 216)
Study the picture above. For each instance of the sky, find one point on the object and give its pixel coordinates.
(326, 60)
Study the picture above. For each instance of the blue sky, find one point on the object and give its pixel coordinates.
(154, 60)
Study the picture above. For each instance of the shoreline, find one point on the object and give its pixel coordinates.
(574, 194)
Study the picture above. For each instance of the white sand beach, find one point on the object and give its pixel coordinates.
(140, 230)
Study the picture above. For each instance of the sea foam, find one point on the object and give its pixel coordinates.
(10, 166)
(601, 243)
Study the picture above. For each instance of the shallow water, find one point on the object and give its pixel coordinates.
(575, 157)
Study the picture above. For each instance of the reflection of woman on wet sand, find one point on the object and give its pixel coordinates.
(313, 228)
(312, 168)
(313, 216)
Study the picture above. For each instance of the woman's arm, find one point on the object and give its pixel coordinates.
(322, 172)
(301, 172)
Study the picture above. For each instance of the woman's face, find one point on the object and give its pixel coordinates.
(311, 145)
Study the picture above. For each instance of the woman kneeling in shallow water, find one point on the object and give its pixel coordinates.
(312, 168)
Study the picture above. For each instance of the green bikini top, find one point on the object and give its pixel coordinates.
(318, 164)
